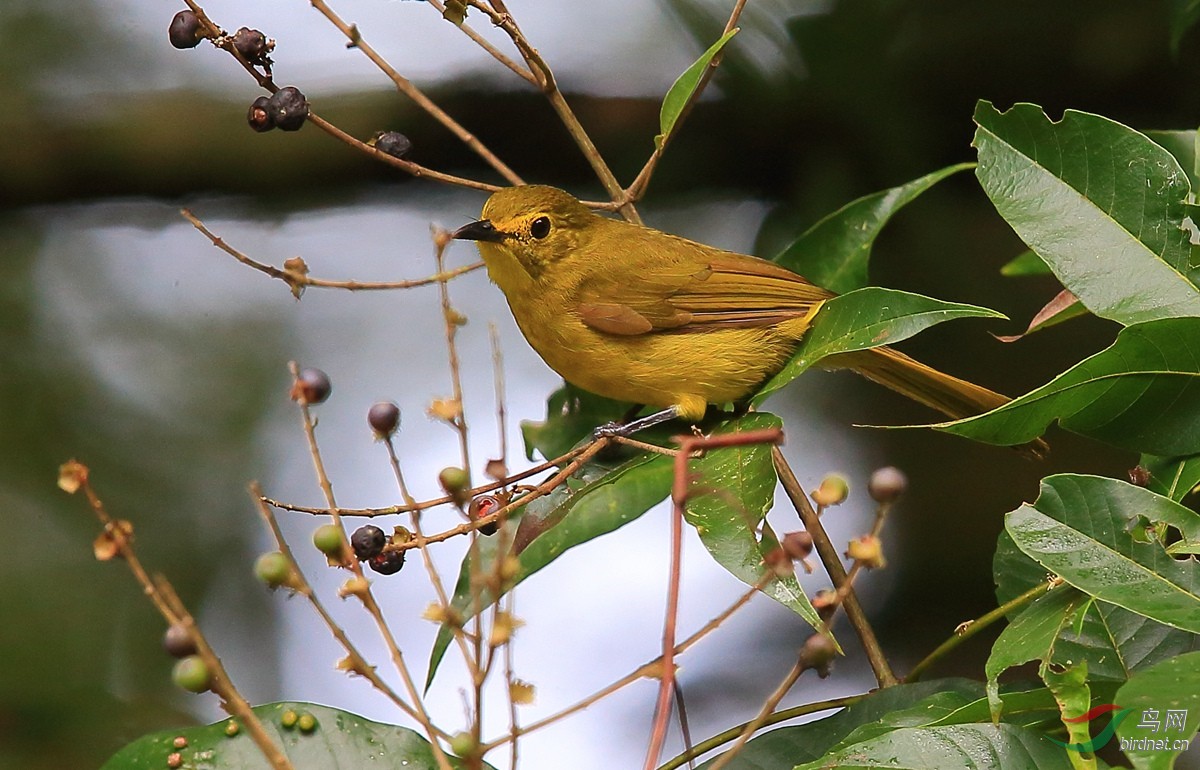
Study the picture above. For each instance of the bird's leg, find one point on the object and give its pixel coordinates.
(633, 426)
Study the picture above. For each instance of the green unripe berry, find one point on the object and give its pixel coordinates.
(192, 674)
(328, 540)
(463, 744)
(273, 568)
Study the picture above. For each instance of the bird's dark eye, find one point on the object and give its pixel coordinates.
(540, 227)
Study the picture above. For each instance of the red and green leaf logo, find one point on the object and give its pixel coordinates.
(1105, 735)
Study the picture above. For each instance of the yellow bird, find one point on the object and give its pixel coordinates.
(638, 315)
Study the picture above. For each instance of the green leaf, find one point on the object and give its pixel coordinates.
(787, 746)
(571, 416)
(730, 492)
(834, 252)
(1069, 685)
(341, 739)
(1079, 529)
(1102, 204)
(969, 747)
(1025, 263)
(606, 500)
(684, 86)
(1173, 477)
(1168, 691)
(1182, 145)
(1031, 635)
(1114, 641)
(1184, 15)
(867, 318)
(1141, 393)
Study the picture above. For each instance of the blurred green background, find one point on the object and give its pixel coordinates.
(127, 342)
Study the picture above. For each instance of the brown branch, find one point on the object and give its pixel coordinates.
(406, 87)
(679, 496)
(483, 43)
(648, 669)
(73, 476)
(298, 280)
(421, 506)
(500, 17)
(358, 663)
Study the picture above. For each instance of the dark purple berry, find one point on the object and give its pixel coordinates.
(368, 542)
(178, 642)
(393, 143)
(288, 108)
(388, 563)
(185, 31)
(259, 116)
(384, 418)
(312, 385)
(251, 44)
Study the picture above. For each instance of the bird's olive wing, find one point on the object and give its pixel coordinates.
(722, 289)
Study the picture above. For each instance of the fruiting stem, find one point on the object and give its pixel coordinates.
(366, 596)
(833, 566)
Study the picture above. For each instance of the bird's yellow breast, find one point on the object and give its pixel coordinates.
(686, 369)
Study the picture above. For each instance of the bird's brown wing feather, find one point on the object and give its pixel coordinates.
(709, 289)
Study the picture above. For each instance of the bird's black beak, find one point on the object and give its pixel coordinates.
(482, 230)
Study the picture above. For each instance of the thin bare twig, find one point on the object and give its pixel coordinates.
(649, 669)
(301, 280)
(501, 17)
(406, 87)
(768, 707)
(969, 629)
(494, 52)
(421, 506)
(118, 535)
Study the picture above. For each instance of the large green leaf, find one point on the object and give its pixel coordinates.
(1182, 145)
(834, 252)
(1141, 393)
(684, 86)
(605, 500)
(785, 747)
(730, 492)
(1031, 636)
(341, 739)
(1184, 15)
(571, 416)
(1173, 477)
(1114, 641)
(867, 318)
(1102, 204)
(1166, 708)
(1024, 264)
(1080, 529)
(965, 747)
